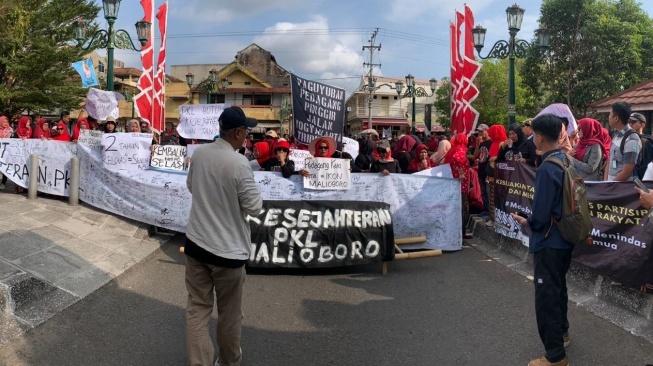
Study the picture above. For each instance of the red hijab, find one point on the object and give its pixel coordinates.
(458, 144)
(24, 131)
(416, 162)
(593, 133)
(39, 132)
(317, 144)
(81, 121)
(498, 135)
(405, 143)
(263, 152)
(63, 132)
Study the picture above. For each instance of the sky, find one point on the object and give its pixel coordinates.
(322, 40)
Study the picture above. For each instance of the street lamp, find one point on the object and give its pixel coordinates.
(413, 91)
(129, 97)
(284, 112)
(511, 49)
(112, 38)
(399, 86)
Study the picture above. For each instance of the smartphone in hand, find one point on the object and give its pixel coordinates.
(641, 185)
(522, 214)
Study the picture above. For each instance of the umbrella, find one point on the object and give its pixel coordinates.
(370, 131)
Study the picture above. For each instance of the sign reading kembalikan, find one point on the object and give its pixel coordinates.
(318, 110)
(622, 234)
(321, 234)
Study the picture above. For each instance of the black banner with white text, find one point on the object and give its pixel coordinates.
(318, 110)
(622, 233)
(321, 234)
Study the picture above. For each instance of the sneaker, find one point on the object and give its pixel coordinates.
(489, 223)
(565, 340)
(542, 361)
(2, 187)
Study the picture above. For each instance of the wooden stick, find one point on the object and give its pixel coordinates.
(181, 249)
(397, 250)
(384, 269)
(415, 255)
(411, 240)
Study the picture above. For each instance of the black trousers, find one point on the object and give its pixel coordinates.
(550, 271)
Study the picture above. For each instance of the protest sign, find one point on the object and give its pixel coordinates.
(327, 174)
(200, 121)
(86, 71)
(321, 234)
(561, 110)
(92, 138)
(126, 151)
(318, 110)
(299, 156)
(169, 157)
(440, 171)
(101, 104)
(350, 146)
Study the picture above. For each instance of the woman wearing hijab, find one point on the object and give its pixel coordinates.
(457, 159)
(365, 156)
(498, 135)
(280, 162)
(133, 126)
(421, 160)
(443, 148)
(261, 154)
(321, 147)
(81, 125)
(62, 132)
(5, 128)
(386, 164)
(592, 151)
(517, 147)
(401, 152)
(42, 130)
(24, 130)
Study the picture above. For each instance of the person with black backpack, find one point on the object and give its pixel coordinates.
(626, 145)
(637, 122)
(551, 249)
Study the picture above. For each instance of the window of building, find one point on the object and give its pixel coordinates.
(386, 98)
(217, 98)
(248, 83)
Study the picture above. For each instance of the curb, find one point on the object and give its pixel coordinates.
(623, 306)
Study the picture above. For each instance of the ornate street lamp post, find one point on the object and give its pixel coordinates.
(211, 84)
(413, 91)
(112, 38)
(511, 49)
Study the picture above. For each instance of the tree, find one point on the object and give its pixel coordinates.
(598, 48)
(442, 103)
(36, 52)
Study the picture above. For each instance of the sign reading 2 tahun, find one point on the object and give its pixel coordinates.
(327, 174)
(126, 151)
(318, 110)
(321, 234)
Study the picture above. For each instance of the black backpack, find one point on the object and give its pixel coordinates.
(645, 155)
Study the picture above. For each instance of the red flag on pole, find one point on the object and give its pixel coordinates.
(457, 77)
(159, 115)
(143, 100)
(470, 70)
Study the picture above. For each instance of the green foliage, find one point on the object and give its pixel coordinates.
(598, 48)
(442, 103)
(36, 52)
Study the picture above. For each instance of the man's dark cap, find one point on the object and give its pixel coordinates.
(234, 117)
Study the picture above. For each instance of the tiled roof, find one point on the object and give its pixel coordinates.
(637, 95)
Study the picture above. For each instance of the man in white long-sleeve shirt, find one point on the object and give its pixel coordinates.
(218, 240)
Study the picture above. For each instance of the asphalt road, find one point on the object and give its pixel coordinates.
(458, 309)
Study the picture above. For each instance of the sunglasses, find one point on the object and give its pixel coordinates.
(323, 147)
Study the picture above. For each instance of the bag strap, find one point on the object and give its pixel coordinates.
(622, 146)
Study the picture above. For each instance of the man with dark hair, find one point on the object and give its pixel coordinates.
(637, 122)
(623, 154)
(527, 130)
(551, 253)
(218, 240)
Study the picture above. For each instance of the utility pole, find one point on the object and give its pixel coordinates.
(371, 80)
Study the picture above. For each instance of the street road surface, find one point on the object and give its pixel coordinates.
(458, 309)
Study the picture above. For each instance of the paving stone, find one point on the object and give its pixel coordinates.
(91, 218)
(138, 249)
(74, 226)
(5, 213)
(53, 264)
(65, 210)
(18, 222)
(115, 263)
(46, 234)
(123, 230)
(7, 269)
(105, 239)
(44, 307)
(43, 215)
(84, 281)
(84, 249)
(18, 207)
(14, 247)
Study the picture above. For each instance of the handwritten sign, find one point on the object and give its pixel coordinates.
(299, 156)
(327, 174)
(350, 146)
(101, 104)
(92, 138)
(318, 110)
(169, 157)
(126, 151)
(200, 121)
(562, 111)
(441, 171)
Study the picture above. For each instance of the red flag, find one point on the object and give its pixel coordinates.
(470, 70)
(159, 115)
(454, 63)
(143, 100)
(457, 78)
